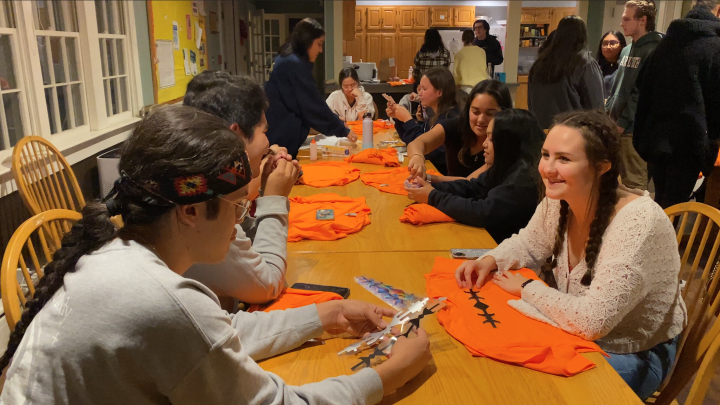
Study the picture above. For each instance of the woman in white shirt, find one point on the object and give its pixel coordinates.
(615, 263)
(352, 102)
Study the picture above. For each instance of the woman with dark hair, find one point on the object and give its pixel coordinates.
(296, 104)
(436, 92)
(613, 277)
(432, 53)
(565, 76)
(608, 55)
(462, 136)
(352, 102)
(502, 199)
(113, 320)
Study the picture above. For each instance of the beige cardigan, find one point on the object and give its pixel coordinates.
(633, 302)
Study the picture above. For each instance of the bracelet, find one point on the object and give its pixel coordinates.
(526, 283)
(418, 154)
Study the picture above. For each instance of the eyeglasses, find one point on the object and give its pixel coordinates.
(350, 87)
(241, 209)
(610, 44)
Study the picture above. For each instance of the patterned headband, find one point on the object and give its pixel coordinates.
(196, 188)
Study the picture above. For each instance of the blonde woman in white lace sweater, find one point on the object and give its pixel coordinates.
(614, 274)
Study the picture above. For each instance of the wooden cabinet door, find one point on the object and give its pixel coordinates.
(388, 18)
(558, 15)
(440, 16)
(387, 45)
(543, 15)
(407, 18)
(419, 41)
(359, 18)
(464, 16)
(373, 46)
(421, 18)
(406, 54)
(356, 48)
(527, 16)
(373, 18)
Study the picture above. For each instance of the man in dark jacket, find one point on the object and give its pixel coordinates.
(638, 22)
(492, 47)
(677, 123)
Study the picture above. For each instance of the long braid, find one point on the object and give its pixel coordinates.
(547, 270)
(606, 207)
(87, 235)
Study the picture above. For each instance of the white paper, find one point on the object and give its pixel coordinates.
(165, 63)
(201, 8)
(391, 62)
(176, 39)
(193, 62)
(198, 35)
(186, 62)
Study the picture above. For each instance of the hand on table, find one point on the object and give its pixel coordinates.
(481, 268)
(352, 136)
(408, 358)
(421, 194)
(416, 167)
(354, 317)
(510, 282)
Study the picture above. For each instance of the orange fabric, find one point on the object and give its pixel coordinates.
(402, 82)
(294, 298)
(326, 174)
(378, 125)
(303, 223)
(387, 157)
(421, 214)
(515, 338)
(390, 180)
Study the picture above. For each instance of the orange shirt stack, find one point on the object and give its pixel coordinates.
(294, 298)
(390, 180)
(386, 157)
(326, 174)
(483, 321)
(378, 125)
(303, 222)
(421, 214)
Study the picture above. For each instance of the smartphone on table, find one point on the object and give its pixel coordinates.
(468, 254)
(341, 291)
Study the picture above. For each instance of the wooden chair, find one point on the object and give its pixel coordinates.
(46, 229)
(44, 178)
(699, 293)
(710, 364)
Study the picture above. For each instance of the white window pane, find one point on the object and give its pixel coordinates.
(120, 56)
(275, 27)
(55, 15)
(42, 50)
(11, 104)
(78, 104)
(120, 16)
(103, 58)
(111, 15)
(100, 16)
(50, 101)
(124, 93)
(64, 106)
(41, 12)
(114, 96)
(57, 59)
(73, 67)
(7, 71)
(108, 106)
(7, 14)
(110, 57)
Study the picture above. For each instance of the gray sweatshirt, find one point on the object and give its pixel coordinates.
(253, 270)
(125, 329)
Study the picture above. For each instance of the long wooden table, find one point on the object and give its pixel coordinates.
(453, 376)
(400, 254)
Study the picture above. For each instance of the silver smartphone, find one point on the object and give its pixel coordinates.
(468, 254)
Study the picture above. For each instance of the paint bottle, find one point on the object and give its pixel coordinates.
(313, 150)
(367, 132)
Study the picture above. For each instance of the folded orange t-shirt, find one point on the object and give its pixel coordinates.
(421, 214)
(326, 174)
(390, 180)
(294, 298)
(378, 125)
(303, 222)
(489, 327)
(387, 157)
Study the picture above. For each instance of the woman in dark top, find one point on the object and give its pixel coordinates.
(436, 91)
(432, 53)
(608, 56)
(502, 199)
(565, 76)
(296, 104)
(462, 136)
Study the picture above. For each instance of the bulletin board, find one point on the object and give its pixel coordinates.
(170, 79)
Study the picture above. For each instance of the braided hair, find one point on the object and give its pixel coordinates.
(602, 144)
(172, 140)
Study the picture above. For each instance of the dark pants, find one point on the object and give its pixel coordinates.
(674, 179)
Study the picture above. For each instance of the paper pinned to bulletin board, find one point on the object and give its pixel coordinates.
(164, 17)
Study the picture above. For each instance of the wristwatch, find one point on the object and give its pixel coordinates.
(526, 283)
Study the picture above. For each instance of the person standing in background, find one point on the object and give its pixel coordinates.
(431, 54)
(565, 76)
(470, 64)
(638, 22)
(489, 43)
(678, 135)
(608, 56)
(296, 104)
